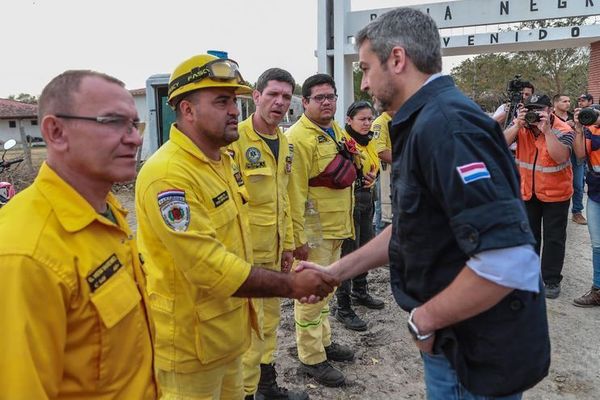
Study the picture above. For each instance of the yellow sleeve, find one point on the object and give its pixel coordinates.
(383, 139)
(202, 258)
(298, 185)
(33, 323)
(288, 243)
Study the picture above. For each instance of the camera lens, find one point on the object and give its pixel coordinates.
(588, 116)
(531, 117)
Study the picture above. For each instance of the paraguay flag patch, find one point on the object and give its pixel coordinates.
(473, 172)
(174, 209)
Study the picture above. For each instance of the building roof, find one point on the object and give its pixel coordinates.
(138, 92)
(12, 109)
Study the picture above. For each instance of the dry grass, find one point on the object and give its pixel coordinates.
(21, 177)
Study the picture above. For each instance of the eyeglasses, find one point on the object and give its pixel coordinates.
(319, 98)
(222, 69)
(113, 122)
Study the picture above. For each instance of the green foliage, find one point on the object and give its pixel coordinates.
(24, 98)
(357, 76)
(484, 77)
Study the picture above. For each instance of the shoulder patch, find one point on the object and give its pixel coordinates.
(473, 172)
(174, 209)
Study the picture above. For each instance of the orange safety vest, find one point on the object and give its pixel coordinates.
(540, 174)
(593, 156)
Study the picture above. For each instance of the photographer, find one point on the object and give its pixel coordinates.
(519, 91)
(543, 151)
(587, 144)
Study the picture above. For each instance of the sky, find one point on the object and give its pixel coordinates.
(134, 39)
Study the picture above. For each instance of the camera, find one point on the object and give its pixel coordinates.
(514, 89)
(589, 115)
(516, 85)
(531, 117)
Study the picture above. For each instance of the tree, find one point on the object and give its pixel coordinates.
(357, 78)
(24, 98)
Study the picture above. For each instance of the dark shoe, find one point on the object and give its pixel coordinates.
(365, 299)
(339, 352)
(324, 373)
(552, 290)
(268, 389)
(350, 320)
(578, 218)
(249, 397)
(590, 299)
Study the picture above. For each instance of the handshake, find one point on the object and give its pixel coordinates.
(312, 283)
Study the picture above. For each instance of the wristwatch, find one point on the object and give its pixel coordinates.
(414, 331)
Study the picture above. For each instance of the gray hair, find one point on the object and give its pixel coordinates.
(57, 96)
(410, 29)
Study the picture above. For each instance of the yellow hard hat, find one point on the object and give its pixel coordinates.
(203, 71)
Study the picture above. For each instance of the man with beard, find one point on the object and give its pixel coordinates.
(265, 161)
(460, 249)
(193, 232)
(317, 138)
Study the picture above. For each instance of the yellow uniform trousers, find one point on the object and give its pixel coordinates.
(221, 383)
(268, 311)
(313, 332)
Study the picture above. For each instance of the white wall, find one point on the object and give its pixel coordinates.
(14, 133)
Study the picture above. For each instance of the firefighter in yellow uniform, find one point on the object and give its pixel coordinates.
(265, 161)
(315, 138)
(358, 128)
(74, 321)
(381, 134)
(194, 234)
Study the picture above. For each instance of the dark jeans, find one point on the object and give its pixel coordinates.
(551, 219)
(363, 232)
(578, 182)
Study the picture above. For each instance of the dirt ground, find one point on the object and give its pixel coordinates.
(387, 365)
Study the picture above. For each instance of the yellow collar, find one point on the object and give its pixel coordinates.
(72, 210)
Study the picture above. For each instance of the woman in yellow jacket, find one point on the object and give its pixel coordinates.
(358, 127)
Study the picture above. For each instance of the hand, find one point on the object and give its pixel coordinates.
(520, 119)
(544, 124)
(426, 346)
(287, 258)
(310, 282)
(306, 265)
(369, 178)
(301, 253)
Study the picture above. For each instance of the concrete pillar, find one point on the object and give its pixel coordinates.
(594, 71)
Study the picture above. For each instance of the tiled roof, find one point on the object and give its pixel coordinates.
(11, 109)
(138, 92)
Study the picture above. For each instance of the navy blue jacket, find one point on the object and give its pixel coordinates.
(455, 193)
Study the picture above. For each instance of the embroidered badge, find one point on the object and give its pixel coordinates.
(174, 209)
(291, 147)
(321, 139)
(220, 198)
(253, 154)
(100, 275)
(473, 172)
(288, 164)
